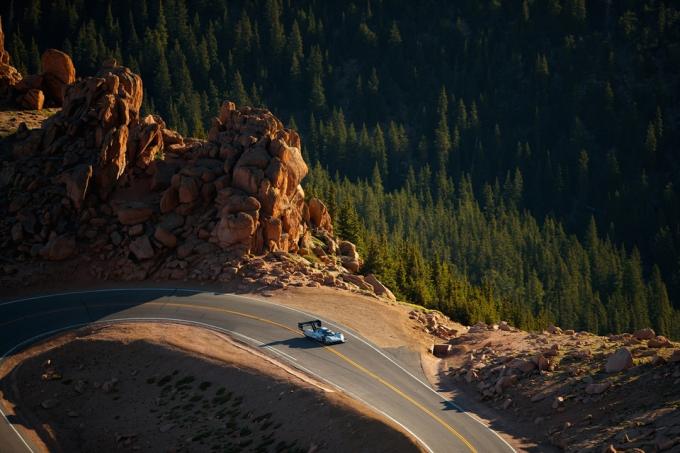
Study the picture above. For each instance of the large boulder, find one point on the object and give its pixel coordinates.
(134, 213)
(659, 342)
(349, 257)
(141, 248)
(620, 360)
(76, 181)
(235, 229)
(59, 248)
(645, 334)
(319, 216)
(58, 73)
(33, 99)
(165, 237)
(378, 288)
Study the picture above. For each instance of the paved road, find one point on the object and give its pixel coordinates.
(356, 367)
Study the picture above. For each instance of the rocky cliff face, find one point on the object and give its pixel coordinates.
(9, 76)
(100, 180)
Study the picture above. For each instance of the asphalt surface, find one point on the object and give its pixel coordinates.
(356, 367)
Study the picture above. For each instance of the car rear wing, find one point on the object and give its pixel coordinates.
(314, 324)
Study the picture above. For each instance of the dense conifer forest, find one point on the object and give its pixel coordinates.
(513, 159)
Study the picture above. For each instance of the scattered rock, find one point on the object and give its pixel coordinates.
(441, 350)
(110, 385)
(558, 402)
(504, 382)
(675, 356)
(597, 388)
(378, 288)
(554, 330)
(503, 325)
(620, 360)
(134, 214)
(644, 334)
(33, 99)
(525, 366)
(659, 342)
(59, 248)
(664, 443)
(141, 248)
(79, 386)
(165, 237)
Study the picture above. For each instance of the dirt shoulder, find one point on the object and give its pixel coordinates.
(569, 391)
(179, 388)
(10, 119)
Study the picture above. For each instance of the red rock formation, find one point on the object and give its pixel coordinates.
(100, 181)
(9, 76)
(58, 73)
(240, 190)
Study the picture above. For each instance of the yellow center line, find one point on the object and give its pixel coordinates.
(359, 367)
(405, 396)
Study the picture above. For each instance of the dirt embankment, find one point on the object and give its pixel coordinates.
(179, 388)
(573, 391)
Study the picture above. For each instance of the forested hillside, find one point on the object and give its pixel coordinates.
(493, 159)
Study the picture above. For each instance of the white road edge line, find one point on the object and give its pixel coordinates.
(289, 357)
(211, 326)
(217, 294)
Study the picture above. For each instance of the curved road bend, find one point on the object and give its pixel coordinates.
(356, 367)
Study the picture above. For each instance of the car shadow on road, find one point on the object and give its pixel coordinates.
(450, 406)
(295, 343)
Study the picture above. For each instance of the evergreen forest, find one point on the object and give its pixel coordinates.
(493, 159)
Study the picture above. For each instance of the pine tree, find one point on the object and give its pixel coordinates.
(317, 97)
(442, 139)
(161, 26)
(394, 38)
(651, 142)
(238, 91)
(277, 37)
(661, 311)
(379, 149)
(348, 225)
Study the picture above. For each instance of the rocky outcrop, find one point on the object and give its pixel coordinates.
(50, 85)
(100, 180)
(36, 90)
(261, 206)
(9, 76)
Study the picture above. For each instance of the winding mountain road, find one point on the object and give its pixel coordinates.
(357, 367)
